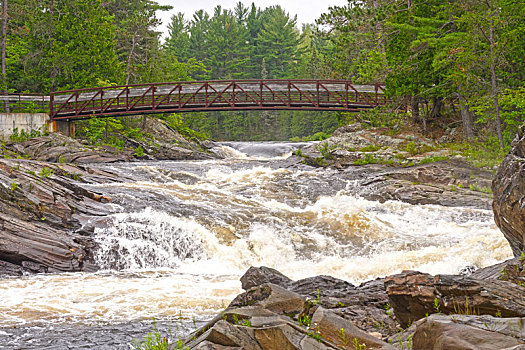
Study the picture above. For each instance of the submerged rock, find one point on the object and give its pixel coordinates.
(509, 195)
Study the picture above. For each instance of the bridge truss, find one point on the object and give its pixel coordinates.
(202, 96)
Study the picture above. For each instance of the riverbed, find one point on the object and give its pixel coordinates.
(182, 234)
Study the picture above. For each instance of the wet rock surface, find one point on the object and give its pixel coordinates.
(509, 195)
(43, 216)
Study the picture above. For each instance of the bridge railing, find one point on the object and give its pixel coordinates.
(24, 103)
(215, 95)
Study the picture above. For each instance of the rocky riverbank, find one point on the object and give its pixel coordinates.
(410, 310)
(160, 142)
(46, 217)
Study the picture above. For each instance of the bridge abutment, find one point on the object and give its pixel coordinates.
(11, 123)
(65, 127)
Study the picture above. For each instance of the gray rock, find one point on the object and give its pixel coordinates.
(442, 332)
(509, 195)
(255, 276)
(413, 295)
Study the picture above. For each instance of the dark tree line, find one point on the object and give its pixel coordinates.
(459, 59)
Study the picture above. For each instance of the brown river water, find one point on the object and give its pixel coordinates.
(182, 234)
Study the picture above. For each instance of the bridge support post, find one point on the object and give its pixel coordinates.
(65, 127)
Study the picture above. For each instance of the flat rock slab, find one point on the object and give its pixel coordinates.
(413, 295)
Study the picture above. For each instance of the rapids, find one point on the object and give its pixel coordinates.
(182, 234)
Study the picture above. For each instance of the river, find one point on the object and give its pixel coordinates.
(182, 234)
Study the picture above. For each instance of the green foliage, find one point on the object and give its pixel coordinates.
(436, 305)
(482, 154)
(433, 159)
(370, 148)
(176, 121)
(367, 159)
(246, 323)
(22, 135)
(326, 149)
(156, 341)
(46, 172)
(139, 152)
(305, 320)
(315, 334)
(477, 188)
(14, 185)
(318, 136)
(357, 345)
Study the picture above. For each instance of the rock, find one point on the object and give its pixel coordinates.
(512, 270)
(255, 276)
(271, 297)
(413, 295)
(327, 286)
(440, 332)
(206, 345)
(42, 211)
(450, 183)
(225, 334)
(60, 148)
(348, 129)
(363, 305)
(509, 195)
(343, 333)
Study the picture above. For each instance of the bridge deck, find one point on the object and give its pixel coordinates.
(215, 95)
(320, 95)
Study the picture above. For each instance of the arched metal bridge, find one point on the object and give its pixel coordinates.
(203, 96)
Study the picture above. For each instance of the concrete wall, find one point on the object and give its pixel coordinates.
(22, 121)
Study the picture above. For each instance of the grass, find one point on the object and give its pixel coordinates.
(433, 159)
(14, 186)
(154, 340)
(370, 148)
(477, 188)
(367, 159)
(481, 154)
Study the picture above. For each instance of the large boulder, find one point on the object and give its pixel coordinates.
(508, 189)
(462, 332)
(414, 295)
(270, 317)
(255, 276)
(364, 305)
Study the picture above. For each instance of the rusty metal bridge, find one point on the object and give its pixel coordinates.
(203, 96)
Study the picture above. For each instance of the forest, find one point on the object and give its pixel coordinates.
(455, 63)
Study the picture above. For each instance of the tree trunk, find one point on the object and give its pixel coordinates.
(494, 84)
(466, 118)
(414, 104)
(131, 51)
(437, 106)
(52, 33)
(4, 44)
